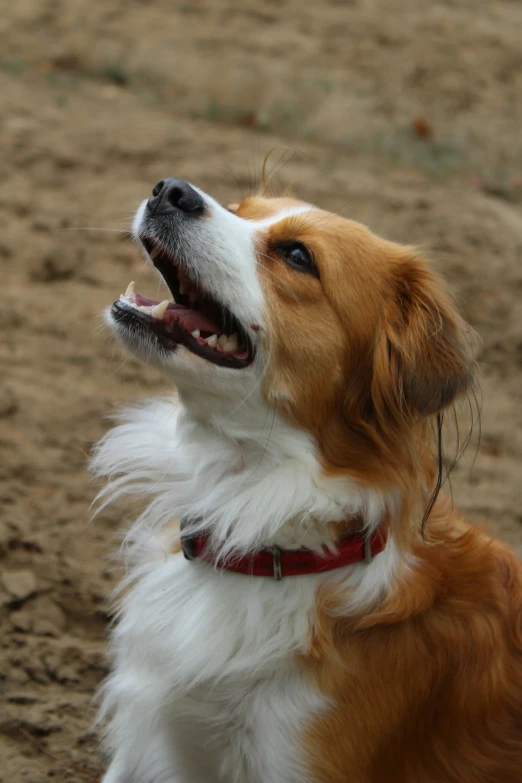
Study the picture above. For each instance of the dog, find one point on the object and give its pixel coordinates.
(301, 603)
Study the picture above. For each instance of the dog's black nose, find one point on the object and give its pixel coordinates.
(171, 195)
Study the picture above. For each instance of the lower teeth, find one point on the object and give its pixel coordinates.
(225, 343)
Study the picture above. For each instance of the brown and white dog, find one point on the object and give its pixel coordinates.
(312, 361)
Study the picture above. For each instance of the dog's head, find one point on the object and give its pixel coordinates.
(349, 336)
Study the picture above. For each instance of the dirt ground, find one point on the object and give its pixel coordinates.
(404, 115)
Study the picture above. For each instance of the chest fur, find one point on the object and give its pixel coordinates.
(200, 624)
(219, 650)
(249, 730)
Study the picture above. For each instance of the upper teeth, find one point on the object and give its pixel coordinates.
(159, 310)
(224, 342)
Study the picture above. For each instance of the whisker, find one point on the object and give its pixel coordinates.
(288, 288)
(267, 441)
(99, 329)
(88, 228)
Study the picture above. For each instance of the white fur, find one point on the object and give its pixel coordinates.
(251, 489)
(220, 254)
(205, 685)
(207, 651)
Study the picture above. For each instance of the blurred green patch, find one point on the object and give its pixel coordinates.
(116, 73)
(63, 78)
(14, 67)
(404, 147)
(416, 145)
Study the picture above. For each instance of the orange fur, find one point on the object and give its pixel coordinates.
(426, 686)
(255, 208)
(361, 355)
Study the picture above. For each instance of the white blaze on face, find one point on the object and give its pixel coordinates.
(219, 251)
(222, 254)
(220, 248)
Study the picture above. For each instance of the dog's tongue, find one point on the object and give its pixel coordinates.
(175, 313)
(190, 319)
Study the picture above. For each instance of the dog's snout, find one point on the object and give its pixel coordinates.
(172, 195)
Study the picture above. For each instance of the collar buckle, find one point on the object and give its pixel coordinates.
(276, 563)
(368, 554)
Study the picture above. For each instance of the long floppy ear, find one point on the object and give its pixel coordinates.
(421, 360)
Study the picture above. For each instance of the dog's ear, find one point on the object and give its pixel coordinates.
(421, 360)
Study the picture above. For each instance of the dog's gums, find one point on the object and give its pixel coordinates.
(194, 319)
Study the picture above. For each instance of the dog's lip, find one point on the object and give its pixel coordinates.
(175, 324)
(195, 318)
(174, 334)
(189, 319)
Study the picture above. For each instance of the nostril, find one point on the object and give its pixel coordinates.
(174, 195)
(156, 190)
(171, 196)
(181, 195)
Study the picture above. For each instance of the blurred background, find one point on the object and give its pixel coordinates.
(403, 114)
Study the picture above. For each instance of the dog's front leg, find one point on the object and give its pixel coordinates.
(141, 748)
(155, 766)
(159, 747)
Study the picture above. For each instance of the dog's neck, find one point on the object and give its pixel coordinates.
(251, 488)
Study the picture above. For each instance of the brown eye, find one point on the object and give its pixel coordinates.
(297, 255)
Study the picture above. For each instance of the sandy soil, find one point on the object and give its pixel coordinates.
(404, 115)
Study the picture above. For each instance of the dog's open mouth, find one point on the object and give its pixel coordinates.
(204, 326)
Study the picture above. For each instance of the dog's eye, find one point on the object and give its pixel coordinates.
(298, 256)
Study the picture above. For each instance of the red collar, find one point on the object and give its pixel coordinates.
(278, 563)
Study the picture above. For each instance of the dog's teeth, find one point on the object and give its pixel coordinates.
(232, 342)
(222, 341)
(130, 288)
(212, 340)
(159, 310)
(155, 252)
(144, 309)
(196, 333)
